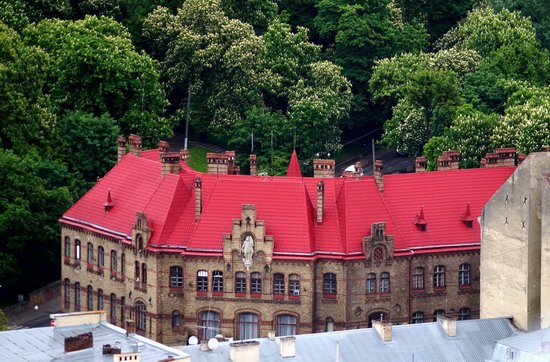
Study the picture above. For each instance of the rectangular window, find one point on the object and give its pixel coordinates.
(176, 277)
(294, 284)
(464, 275)
(114, 261)
(439, 276)
(217, 281)
(240, 282)
(418, 279)
(385, 283)
(100, 257)
(90, 298)
(329, 283)
(202, 281)
(278, 283)
(371, 283)
(255, 283)
(100, 301)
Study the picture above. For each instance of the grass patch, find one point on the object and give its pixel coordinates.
(197, 158)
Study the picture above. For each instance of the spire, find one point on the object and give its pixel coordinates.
(294, 166)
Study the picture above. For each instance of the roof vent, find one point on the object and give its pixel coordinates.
(109, 204)
(467, 218)
(420, 221)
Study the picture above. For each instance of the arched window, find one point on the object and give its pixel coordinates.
(385, 283)
(202, 281)
(286, 325)
(122, 311)
(67, 246)
(464, 275)
(176, 320)
(113, 308)
(240, 282)
(100, 257)
(144, 276)
(418, 279)
(439, 276)
(100, 300)
(371, 283)
(438, 312)
(329, 283)
(77, 296)
(137, 274)
(77, 254)
(209, 324)
(278, 283)
(139, 242)
(123, 265)
(90, 298)
(248, 326)
(294, 284)
(114, 262)
(67, 293)
(255, 283)
(378, 256)
(141, 317)
(418, 317)
(176, 277)
(91, 253)
(464, 314)
(217, 281)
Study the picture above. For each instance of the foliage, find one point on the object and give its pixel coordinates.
(4, 323)
(258, 13)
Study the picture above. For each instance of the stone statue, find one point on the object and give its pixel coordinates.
(248, 251)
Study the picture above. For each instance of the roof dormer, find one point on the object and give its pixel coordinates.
(467, 218)
(420, 222)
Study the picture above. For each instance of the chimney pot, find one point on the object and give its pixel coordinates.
(287, 348)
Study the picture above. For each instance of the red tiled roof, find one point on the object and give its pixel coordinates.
(288, 205)
(294, 166)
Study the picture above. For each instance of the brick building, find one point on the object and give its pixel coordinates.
(181, 253)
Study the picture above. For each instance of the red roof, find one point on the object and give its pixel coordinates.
(287, 205)
(294, 166)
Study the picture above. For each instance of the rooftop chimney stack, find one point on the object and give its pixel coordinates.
(287, 348)
(545, 148)
(170, 163)
(323, 168)
(379, 175)
(521, 158)
(248, 351)
(383, 329)
(449, 160)
(198, 198)
(231, 168)
(501, 157)
(420, 164)
(217, 163)
(135, 144)
(320, 200)
(130, 327)
(163, 147)
(121, 147)
(448, 324)
(252, 159)
(184, 155)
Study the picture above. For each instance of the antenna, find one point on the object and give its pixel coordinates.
(193, 340)
(213, 343)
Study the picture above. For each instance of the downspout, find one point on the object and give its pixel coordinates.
(314, 301)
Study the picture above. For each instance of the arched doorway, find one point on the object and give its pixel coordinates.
(378, 316)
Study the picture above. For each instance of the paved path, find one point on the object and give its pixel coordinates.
(28, 316)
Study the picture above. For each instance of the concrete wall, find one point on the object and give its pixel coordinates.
(545, 255)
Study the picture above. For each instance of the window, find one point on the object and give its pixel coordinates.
(77, 254)
(77, 296)
(139, 242)
(217, 281)
(371, 283)
(255, 283)
(114, 266)
(294, 284)
(100, 301)
(176, 277)
(67, 246)
(286, 325)
(439, 312)
(418, 317)
(248, 326)
(100, 257)
(67, 293)
(418, 278)
(202, 281)
(144, 276)
(377, 256)
(122, 311)
(278, 283)
(439, 276)
(113, 308)
(385, 283)
(136, 273)
(90, 253)
(123, 265)
(90, 296)
(329, 283)
(464, 275)
(464, 314)
(209, 324)
(240, 282)
(176, 320)
(141, 316)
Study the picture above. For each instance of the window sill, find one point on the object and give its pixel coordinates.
(385, 294)
(176, 328)
(240, 295)
(202, 292)
(255, 295)
(217, 294)
(370, 295)
(278, 296)
(439, 289)
(418, 290)
(176, 290)
(329, 296)
(294, 297)
(465, 286)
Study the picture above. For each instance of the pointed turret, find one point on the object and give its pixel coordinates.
(294, 166)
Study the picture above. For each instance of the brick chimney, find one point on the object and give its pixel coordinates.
(248, 351)
(170, 163)
(121, 147)
(383, 329)
(217, 163)
(449, 160)
(448, 325)
(287, 348)
(134, 141)
(130, 327)
(379, 175)
(320, 200)
(252, 159)
(420, 164)
(198, 198)
(323, 168)
(501, 157)
(184, 155)
(521, 158)
(231, 168)
(545, 148)
(79, 342)
(163, 147)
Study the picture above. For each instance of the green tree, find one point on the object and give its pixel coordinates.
(258, 13)
(94, 68)
(4, 323)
